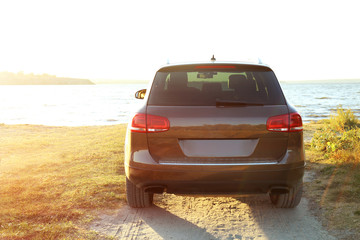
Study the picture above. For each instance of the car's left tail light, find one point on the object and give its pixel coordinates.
(147, 123)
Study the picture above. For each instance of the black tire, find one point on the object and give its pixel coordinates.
(136, 197)
(290, 199)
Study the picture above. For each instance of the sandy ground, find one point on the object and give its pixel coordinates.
(185, 217)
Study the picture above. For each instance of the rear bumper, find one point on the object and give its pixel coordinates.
(215, 179)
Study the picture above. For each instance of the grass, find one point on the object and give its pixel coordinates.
(334, 155)
(52, 178)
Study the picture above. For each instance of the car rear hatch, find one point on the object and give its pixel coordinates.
(216, 114)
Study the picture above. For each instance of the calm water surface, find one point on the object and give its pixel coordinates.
(86, 105)
(315, 101)
(68, 105)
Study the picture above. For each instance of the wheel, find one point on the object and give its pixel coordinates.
(290, 199)
(136, 197)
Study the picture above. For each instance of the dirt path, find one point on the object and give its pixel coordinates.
(183, 217)
(179, 217)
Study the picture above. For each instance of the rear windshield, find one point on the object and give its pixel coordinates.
(207, 88)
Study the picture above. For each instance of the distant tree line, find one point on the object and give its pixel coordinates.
(20, 78)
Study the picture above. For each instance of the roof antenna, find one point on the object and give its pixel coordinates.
(259, 61)
(213, 59)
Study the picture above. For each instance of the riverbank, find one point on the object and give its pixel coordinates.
(334, 189)
(55, 180)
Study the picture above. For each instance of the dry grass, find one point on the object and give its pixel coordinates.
(51, 178)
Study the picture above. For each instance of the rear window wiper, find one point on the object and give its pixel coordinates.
(223, 103)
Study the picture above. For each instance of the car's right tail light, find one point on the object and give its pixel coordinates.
(285, 123)
(147, 123)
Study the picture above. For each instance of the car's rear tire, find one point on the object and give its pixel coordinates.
(137, 197)
(290, 199)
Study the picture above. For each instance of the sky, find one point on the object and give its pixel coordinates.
(130, 40)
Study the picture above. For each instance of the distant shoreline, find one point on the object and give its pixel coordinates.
(109, 82)
(322, 81)
(44, 84)
(8, 78)
(57, 81)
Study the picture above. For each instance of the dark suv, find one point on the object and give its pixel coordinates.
(214, 128)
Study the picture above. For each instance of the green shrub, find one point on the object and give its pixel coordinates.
(339, 138)
(344, 120)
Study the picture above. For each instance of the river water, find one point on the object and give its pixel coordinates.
(87, 105)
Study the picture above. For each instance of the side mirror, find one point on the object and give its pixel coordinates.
(140, 94)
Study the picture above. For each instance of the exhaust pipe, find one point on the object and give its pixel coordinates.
(155, 189)
(279, 190)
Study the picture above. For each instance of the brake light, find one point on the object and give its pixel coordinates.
(295, 123)
(138, 123)
(146, 123)
(285, 123)
(215, 67)
(157, 123)
(278, 123)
